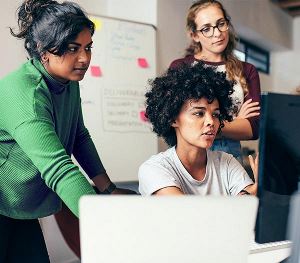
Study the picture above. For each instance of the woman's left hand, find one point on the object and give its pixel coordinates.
(254, 166)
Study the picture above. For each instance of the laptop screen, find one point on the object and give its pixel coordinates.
(279, 164)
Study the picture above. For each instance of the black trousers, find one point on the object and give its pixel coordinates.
(22, 241)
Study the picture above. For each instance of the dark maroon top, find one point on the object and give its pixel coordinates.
(252, 79)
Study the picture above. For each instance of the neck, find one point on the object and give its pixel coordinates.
(211, 57)
(194, 161)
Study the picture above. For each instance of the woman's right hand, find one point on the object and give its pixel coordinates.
(249, 109)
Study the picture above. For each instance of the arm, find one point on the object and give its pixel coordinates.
(169, 191)
(156, 179)
(246, 125)
(38, 140)
(87, 156)
(252, 189)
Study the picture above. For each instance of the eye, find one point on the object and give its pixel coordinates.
(89, 49)
(216, 115)
(72, 49)
(200, 113)
(205, 29)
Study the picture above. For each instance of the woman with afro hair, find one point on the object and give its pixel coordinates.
(187, 106)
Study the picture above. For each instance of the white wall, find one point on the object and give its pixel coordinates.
(287, 65)
(143, 11)
(12, 53)
(262, 22)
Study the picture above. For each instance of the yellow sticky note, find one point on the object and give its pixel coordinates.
(97, 22)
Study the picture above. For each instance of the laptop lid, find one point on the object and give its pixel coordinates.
(135, 229)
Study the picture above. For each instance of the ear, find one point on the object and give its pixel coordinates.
(195, 36)
(44, 58)
(174, 124)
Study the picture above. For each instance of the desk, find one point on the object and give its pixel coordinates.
(271, 255)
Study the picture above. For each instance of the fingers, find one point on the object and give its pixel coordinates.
(251, 161)
(249, 109)
(254, 166)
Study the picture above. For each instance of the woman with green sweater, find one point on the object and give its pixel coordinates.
(41, 126)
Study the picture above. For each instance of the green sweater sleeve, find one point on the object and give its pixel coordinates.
(39, 142)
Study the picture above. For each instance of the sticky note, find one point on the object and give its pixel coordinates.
(97, 22)
(143, 116)
(96, 71)
(143, 63)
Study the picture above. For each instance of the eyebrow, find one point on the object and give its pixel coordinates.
(79, 45)
(209, 24)
(202, 108)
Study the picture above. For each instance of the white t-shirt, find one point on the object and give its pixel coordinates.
(224, 175)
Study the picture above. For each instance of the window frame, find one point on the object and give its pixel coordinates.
(246, 47)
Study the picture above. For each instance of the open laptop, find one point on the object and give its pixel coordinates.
(135, 229)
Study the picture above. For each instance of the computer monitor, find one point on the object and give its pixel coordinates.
(279, 164)
(294, 229)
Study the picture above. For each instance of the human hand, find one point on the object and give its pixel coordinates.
(248, 109)
(254, 166)
(122, 191)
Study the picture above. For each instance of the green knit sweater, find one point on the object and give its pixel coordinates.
(41, 126)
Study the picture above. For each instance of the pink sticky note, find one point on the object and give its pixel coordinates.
(96, 71)
(143, 116)
(143, 63)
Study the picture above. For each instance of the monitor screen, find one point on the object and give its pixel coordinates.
(279, 164)
(294, 228)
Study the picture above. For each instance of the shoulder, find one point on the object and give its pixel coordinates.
(179, 62)
(161, 160)
(219, 158)
(26, 76)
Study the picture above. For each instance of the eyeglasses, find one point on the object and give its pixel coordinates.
(208, 31)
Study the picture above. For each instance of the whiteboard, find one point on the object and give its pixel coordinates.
(112, 95)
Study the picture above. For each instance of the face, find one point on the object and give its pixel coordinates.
(216, 44)
(197, 123)
(73, 64)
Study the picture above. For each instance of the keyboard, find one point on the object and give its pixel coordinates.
(264, 247)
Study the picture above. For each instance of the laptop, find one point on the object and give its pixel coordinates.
(135, 229)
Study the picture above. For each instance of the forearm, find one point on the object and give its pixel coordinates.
(238, 129)
(251, 189)
(101, 181)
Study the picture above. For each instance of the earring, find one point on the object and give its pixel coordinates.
(44, 58)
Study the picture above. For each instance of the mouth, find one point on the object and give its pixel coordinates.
(209, 133)
(218, 42)
(80, 69)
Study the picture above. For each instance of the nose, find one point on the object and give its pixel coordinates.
(216, 32)
(209, 120)
(84, 57)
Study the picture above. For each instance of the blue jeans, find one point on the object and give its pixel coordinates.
(229, 146)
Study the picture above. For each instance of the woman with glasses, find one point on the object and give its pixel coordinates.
(213, 41)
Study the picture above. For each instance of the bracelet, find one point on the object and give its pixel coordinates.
(244, 192)
(109, 189)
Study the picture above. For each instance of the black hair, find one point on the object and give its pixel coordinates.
(47, 25)
(170, 91)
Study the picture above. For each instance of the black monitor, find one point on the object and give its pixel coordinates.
(279, 164)
(294, 229)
